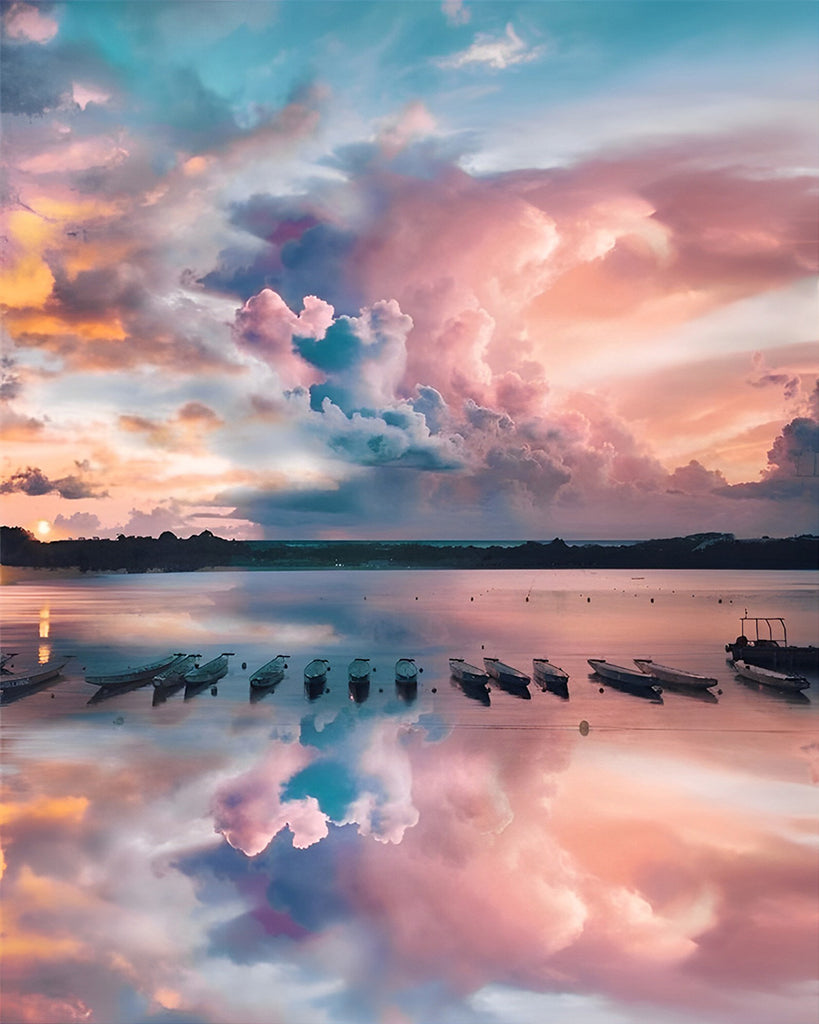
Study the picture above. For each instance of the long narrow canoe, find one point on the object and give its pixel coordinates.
(210, 672)
(550, 677)
(135, 674)
(674, 676)
(625, 678)
(271, 672)
(174, 674)
(769, 677)
(505, 674)
(466, 673)
(38, 674)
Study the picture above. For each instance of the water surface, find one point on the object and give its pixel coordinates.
(407, 858)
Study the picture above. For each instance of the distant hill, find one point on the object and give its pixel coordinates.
(169, 553)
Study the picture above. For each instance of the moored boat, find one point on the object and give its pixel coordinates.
(406, 672)
(759, 646)
(5, 659)
(358, 670)
(271, 672)
(466, 673)
(550, 677)
(315, 677)
(625, 678)
(358, 676)
(174, 674)
(675, 677)
(136, 674)
(506, 675)
(211, 672)
(770, 677)
(31, 677)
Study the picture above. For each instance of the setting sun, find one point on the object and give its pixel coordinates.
(43, 528)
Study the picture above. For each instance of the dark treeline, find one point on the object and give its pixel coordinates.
(169, 553)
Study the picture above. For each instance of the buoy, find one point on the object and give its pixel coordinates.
(652, 600)
(244, 665)
(588, 600)
(584, 728)
(601, 690)
(434, 689)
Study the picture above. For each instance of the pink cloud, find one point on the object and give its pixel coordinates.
(25, 21)
(265, 325)
(249, 811)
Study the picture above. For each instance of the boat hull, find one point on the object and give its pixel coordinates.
(138, 674)
(270, 673)
(550, 677)
(211, 672)
(471, 675)
(774, 656)
(625, 679)
(507, 676)
(674, 677)
(769, 677)
(23, 679)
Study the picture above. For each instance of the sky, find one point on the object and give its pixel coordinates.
(410, 269)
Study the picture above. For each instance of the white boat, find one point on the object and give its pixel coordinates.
(38, 674)
(674, 676)
(134, 675)
(271, 672)
(769, 677)
(625, 678)
(211, 672)
(466, 673)
(550, 677)
(174, 674)
(406, 672)
(505, 674)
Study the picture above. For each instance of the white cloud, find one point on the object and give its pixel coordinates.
(495, 52)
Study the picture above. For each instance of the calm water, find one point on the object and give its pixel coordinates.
(434, 861)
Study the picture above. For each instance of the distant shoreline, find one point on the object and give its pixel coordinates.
(169, 553)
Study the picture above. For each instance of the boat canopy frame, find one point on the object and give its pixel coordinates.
(768, 620)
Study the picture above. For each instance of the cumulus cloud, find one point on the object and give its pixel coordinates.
(34, 482)
(29, 22)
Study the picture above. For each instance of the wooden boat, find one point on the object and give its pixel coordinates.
(466, 673)
(625, 678)
(137, 674)
(315, 677)
(358, 676)
(770, 677)
(406, 672)
(270, 673)
(675, 677)
(358, 670)
(550, 677)
(505, 674)
(31, 677)
(759, 646)
(174, 674)
(211, 672)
